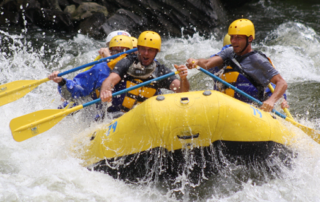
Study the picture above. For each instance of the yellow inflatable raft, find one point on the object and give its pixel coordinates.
(210, 126)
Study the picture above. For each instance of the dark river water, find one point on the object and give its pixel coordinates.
(43, 168)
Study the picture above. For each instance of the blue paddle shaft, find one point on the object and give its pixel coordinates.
(239, 91)
(96, 62)
(131, 88)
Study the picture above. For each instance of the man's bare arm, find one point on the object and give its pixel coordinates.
(281, 87)
(181, 85)
(205, 63)
(107, 87)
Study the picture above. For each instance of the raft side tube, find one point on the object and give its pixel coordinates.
(184, 120)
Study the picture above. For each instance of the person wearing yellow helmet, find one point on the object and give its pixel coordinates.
(226, 40)
(134, 43)
(138, 68)
(88, 83)
(238, 80)
(120, 43)
(253, 65)
(217, 70)
(104, 52)
(226, 44)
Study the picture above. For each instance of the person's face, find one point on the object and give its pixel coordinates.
(116, 50)
(146, 55)
(238, 43)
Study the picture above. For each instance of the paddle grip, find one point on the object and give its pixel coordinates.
(238, 90)
(96, 62)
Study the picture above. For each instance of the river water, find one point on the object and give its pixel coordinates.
(43, 168)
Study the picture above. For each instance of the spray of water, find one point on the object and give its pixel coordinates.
(44, 168)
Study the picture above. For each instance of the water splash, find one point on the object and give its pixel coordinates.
(293, 47)
(43, 168)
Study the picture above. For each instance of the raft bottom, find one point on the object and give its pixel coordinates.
(197, 163)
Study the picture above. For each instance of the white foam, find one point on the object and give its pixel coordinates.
(43, 168)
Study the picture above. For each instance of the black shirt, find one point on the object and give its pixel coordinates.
(123, 65)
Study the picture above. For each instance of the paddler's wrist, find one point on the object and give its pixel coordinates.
(62, 82)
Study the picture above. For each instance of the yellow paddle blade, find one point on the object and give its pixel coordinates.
(286, 110)
(113, 62)
(314, 134)
(30, 125)
(17, 89)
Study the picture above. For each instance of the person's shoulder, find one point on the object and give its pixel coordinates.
(227, 50)
(223, 48)
(123, 65)
(226, 53)
(158, 63)
(131, 56)
(226, 46)
(128, 60)
(161, 69)
(99, 66)
(160, 66)
(259, 57)
(261, 61)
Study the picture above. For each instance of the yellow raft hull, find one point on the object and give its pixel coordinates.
(192, 120)
(184, 120)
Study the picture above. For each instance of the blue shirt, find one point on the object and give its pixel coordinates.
(86, 83)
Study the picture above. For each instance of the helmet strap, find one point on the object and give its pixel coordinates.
(247, 44)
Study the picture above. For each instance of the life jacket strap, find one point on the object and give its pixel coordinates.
(236, 66)
(138, 95)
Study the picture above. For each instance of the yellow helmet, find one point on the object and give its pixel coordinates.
(134, 41)
(121, 41)
(150, 39)
(242, 27)
(226, 40)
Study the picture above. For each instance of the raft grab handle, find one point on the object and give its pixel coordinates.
(188, 137)
(184, 100)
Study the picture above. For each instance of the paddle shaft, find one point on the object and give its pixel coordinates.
(96, 62)
(132, 87)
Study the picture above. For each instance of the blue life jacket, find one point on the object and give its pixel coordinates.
(241, 82)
